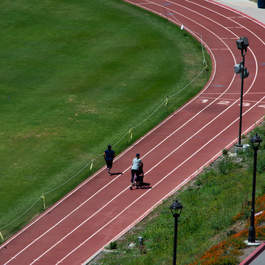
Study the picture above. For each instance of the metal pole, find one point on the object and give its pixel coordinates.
(241, 100)
(251, 231)
(175, 240)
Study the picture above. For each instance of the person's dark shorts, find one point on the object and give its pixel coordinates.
(139, 178)
(134, 172)
(109, 163)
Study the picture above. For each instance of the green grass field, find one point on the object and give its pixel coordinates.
(74, 77)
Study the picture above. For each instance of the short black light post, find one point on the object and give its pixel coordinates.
(242, 44)
(255, 142)
(141, 244)
(176, 209)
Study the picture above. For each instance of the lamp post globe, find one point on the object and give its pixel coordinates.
(242, 44)
(256, 141)
(176, 208)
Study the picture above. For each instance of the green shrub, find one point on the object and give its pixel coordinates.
(113, 245)
(225, 152)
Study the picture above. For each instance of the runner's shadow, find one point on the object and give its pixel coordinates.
(145, 185)
(116, 173)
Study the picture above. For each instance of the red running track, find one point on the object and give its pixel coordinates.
(77, 228)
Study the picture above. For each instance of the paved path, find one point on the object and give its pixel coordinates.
(257, 257)
(101, 209)
(246, 6)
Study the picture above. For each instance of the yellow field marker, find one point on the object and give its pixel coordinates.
(166, 101)
(2, 237)
(131, 133)
(92, 164)
(43, 201)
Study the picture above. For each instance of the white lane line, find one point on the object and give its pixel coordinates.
(219, 49)
(140, 197)
(236, 27)
(235, 17)
(232, 38)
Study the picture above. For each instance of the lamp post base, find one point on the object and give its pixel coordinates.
(256, 243)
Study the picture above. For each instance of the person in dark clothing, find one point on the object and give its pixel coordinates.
(140, 184)
(140, 176)
(109, 155)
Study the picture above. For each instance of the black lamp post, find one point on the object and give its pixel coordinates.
(176, 209)
(255, 142)
(242, 44)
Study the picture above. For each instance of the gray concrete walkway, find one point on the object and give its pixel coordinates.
(246, 6)
(260, 260)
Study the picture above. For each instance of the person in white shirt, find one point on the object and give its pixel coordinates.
(136, 163)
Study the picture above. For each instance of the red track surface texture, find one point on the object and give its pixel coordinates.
(103, 208)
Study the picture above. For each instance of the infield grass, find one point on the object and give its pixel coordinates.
(74, 77)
